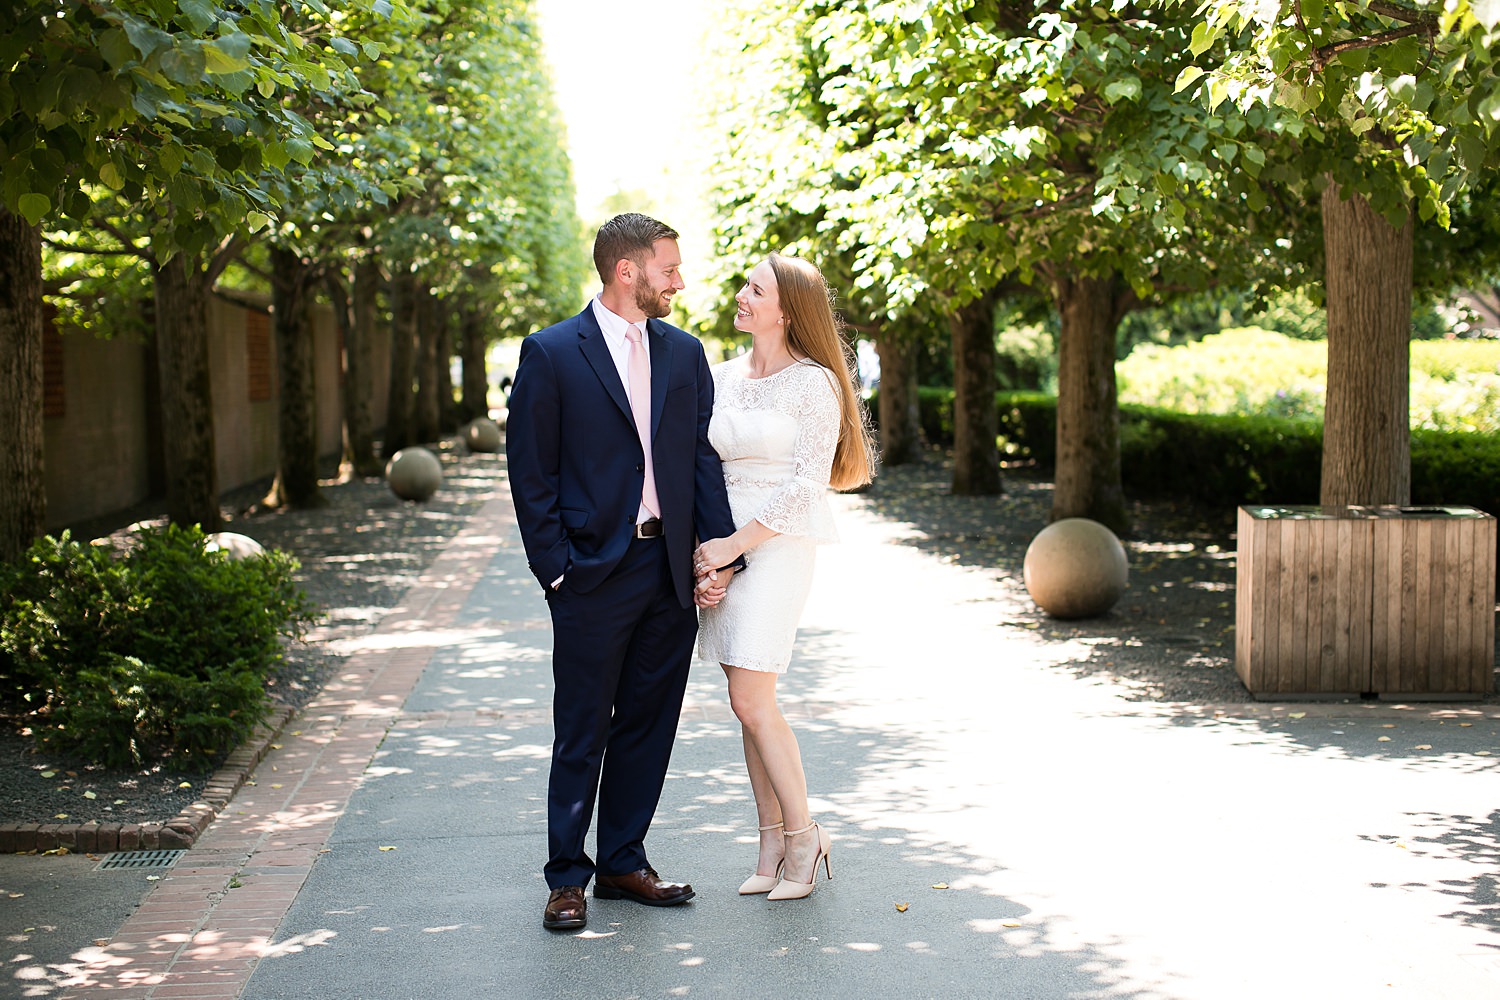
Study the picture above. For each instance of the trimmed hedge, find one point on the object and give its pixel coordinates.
(1229, 460)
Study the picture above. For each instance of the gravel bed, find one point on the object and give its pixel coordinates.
(359, 553)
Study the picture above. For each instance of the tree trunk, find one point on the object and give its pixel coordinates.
(187, 404)
(1367, 419)
(359, 375)
(976, 456)
(297, 428)
(476, 384)
(398, 411)
(446, 351)
(900, 415)
(428, 416)
(1087, 478)
(23, 490)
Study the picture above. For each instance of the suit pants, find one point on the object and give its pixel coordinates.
(620, 661)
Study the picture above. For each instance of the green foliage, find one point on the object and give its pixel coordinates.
(1235, 372)
(1400, 102)
(162, 650)
(195, 115)
(465, 121)
(1230, 460)
(1455, 384)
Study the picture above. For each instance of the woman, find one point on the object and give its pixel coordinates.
(787, 424)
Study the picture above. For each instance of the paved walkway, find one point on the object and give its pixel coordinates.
(1001, 829)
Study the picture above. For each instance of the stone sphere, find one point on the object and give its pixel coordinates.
(1075, 568)
(482, 434)
(414, 473)
(234, 545)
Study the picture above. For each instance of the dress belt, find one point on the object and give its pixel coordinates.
(648, 529)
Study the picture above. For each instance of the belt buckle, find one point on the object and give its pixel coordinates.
(650, 528)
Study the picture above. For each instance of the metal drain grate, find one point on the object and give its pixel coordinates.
(135, 860)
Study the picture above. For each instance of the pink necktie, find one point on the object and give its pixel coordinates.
(639, 388)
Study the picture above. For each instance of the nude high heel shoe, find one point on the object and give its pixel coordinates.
(788, 889)
(756, 884)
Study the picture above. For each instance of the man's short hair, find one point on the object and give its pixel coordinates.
(629, 235)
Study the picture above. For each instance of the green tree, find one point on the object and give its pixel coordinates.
(484, 238)
(965, 150)
(1396, 110)
(185, 113)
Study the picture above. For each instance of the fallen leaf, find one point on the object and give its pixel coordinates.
(1010, 923)
(275, 786)
(387, 848)
(1402, 844)
(49, 774)
(1388, 725)
(1297, 715)
(275, 746)
(1465, 725)
(16, 895)
(940, 885)
(1382, 739)
(119, 802)
(185, 784)
(901, 907)
(153, 878)
(90, 795)
(1422, 746)
(56, 852)
(61, 816)
(1481, 753)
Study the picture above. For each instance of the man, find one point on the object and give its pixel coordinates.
(609, 528)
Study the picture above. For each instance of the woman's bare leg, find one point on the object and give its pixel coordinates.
(772, 757)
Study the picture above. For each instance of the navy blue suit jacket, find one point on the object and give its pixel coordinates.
(575, 461)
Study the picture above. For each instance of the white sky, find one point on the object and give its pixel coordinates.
(623, 77)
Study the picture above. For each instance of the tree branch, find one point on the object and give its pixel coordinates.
(228, 251)
(1396, 12)
(96, 251)
(1371, 41)
(125, 240)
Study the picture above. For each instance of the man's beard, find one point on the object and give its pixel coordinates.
(649, 301)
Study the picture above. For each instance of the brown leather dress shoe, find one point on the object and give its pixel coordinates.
(644, 886)
(566, 909)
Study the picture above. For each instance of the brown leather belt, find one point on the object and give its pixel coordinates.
(648, 529)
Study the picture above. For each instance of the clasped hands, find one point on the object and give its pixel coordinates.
(712, 582)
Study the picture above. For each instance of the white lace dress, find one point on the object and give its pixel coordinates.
(776, 436)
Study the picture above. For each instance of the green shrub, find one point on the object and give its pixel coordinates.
(163, 650)
(1226, 460)
(1455, 384)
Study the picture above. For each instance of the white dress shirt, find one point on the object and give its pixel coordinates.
(614, 328)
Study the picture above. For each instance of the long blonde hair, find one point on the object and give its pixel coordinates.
(812, 330)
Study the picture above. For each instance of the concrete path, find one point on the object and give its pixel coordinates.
(1000, 828)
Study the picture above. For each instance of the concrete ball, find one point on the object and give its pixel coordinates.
(234, 545)
(414, 473)
(1075, 568)
(483, 435)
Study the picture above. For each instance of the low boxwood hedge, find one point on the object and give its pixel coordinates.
(1228, 460)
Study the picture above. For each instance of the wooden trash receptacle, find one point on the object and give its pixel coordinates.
(1348, 601)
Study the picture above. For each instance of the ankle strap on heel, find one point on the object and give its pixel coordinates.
(810, 826)
(773, 826)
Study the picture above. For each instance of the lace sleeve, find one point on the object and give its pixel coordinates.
(798, 506)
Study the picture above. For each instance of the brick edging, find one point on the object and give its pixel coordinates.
(178, 833)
